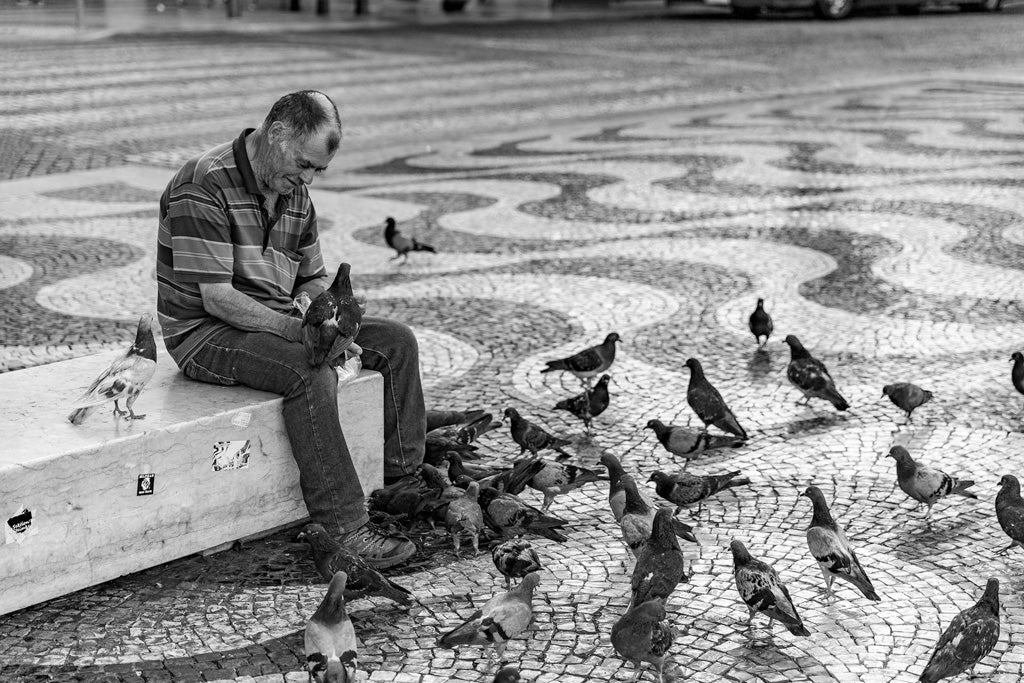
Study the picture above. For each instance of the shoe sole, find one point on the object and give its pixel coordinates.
(386, 562)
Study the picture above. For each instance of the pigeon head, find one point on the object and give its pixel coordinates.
(332, 609)
(695, 367)
(900, 454)
(991, 596)
(662, 531)
(822, 516)
(796, 349)
(1017, 357)
(657, 425)
(1008, 482)
(144, 345)
(472, 488)
(612, 338)
(316, 535)
(604, 380)
(487, 496)
(658, 477)
(509, 674)
(612, 463)
(888, 389)
(511, 413)
(760, 302)
(740, 555)
(463, 481)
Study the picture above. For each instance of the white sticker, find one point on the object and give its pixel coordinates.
(19, 527)
(241, 420)
(231, 455)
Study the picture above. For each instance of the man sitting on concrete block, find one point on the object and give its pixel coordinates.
(237, 243)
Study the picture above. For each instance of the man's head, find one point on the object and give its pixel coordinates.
(298, 139)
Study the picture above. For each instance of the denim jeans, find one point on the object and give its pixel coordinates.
(330, 485)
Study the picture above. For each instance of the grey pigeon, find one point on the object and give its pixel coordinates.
(708, 404)
(514, 559)
(689, 443)
(638, 519)
(810, 376)
(1017, 372)
(332, 320)
(362, 580)
(967, 640)
(763, 591)
(644, 634)
(532, 437)
(687, 489)
(124, 379)
(590, 403)
(924, 484)
(510, 516)
(557, 478)
(1010, 511)
(465, 518)
(330, 642)
(501, 619)
(590, 362)
(616, 491)
(400, 243)
(660, 566)
(761, 324)
(906, 396)
(832, 551)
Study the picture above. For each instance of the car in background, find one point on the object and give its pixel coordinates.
(840, 9)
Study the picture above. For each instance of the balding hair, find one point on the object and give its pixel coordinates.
(305, 113)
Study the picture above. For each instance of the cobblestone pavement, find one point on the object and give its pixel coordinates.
(883, 225)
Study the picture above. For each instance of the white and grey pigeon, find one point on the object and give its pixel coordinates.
(832, 551)
(925, 484)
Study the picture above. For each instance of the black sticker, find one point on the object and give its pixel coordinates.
(21, 522)
(146, 482)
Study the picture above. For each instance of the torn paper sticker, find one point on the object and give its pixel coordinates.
(241, 420)
(19, 527)
(231, 455)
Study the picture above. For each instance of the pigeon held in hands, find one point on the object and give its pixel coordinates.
(332, 320)
(402, 244)
(124, 379)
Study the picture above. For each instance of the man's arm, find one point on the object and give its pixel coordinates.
(222, 300)
(312, 287)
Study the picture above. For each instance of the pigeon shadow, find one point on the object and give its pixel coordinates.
(813, 424)
(760, 363)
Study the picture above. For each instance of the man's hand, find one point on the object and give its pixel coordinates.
(222, 300)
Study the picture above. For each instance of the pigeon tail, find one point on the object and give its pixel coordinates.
(78, 416)
(960, 488)
(835, 398)
(420, 246)
(465, 634)
(730, 424)
(797, 629)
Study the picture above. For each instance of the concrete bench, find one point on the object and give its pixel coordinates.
(208, 465)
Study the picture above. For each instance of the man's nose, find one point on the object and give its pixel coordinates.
(306, 175)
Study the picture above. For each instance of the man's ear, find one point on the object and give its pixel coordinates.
(278, 131)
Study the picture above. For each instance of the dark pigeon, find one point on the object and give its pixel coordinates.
(906, 396)
(810, 376)
(969, 638)
(708, 404)
(686, 489)
(761, 324)
(763, 591)
(1010, 511)
(332, 320)
(400, 243)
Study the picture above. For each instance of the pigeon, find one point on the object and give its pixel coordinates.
(555, 479)
(763, 591)
(1017, 373)
(906, 396)
(1010, 511)
(688, 443)
(590, 403)
(532, 437)
(644, 634)
(510, 516)
(810, 376)
(508, 674)
(638, 519)
(967, 640)
(589, 362)
(124, 378)
(457, 468)
(832, 551)
(402, 244)
(708, 404)
(501, 619)
(686, 489)
(332, 321)
(761, 324)
(462, 427)
(407, 497)
(464, 517)
(363, 581)
(514, 480)
(515, 558)
(660, 566)
(330, 640)
(924, 484)
(616, 491)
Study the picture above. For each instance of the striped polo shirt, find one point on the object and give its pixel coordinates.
(213, 228)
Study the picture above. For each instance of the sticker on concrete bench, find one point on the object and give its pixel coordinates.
(146, 484)
(231, 455)
(241, 420)
(19, 527)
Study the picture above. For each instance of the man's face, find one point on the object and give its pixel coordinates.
(294, 162)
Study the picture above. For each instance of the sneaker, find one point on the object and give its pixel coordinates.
(378, 549)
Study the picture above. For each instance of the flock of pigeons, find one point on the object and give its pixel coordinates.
(478, 503)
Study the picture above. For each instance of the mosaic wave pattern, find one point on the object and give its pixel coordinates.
(885, 228)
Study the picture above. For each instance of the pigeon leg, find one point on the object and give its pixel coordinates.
(828, 584)
(1008, 548)
(476, 543)
(549, 498)
(636, 671)
(455, 542)
(118, 411)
